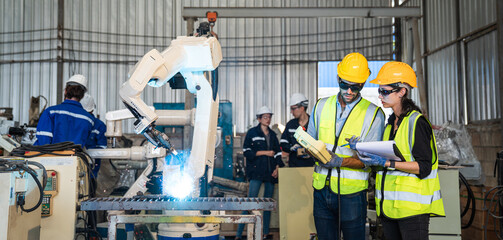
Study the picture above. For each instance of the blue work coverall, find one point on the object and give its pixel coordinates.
(67, 121)
(97, 139)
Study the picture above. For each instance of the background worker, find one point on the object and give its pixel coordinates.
(97, 138)
(340, 199)
(405, 209)
(263, 158)
(297, 155)
(67, 121)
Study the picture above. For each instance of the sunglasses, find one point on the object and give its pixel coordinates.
(354, 87)
(294, 108)
(384, 92)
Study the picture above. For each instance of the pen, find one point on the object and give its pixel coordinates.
(345, 145)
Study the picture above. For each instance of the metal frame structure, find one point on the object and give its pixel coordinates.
(499, 25)
(168, 203)
(252, 233)
(334, 12)
(190, 14)
(157, 202)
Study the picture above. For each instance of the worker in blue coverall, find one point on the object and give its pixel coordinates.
(97, 137)
(297, 155)
(263, 158)
(67, 121)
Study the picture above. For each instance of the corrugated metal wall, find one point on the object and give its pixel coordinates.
(28, 32)
(476, 14)
(265, 60)
(482, 78)
(407, 51)
(444, 24)
(104, 39)
(443, 85)
(482, 61)
(442, 68)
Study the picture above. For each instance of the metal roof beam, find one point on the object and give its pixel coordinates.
(342, 12)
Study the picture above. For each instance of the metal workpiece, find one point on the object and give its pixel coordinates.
(156, 202)
(254, 232)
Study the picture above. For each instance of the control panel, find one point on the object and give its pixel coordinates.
(51, 190)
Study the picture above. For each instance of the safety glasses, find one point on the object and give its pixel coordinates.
(385, 93)
(294, 108)
(354, 87)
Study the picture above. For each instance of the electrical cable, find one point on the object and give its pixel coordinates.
(244, 57)
(29, 61)
(29, 40)
(387, 26)
(227, 46)
(41, 190)
(113, 166)
(28, 52)
(492, 208)
(45, 105)
(29, 31)
(339, 231)
(44, 171)
(77, 151)
(50, 149)
(311, 52)
(470, 201)
(116, 34)
(7, 165)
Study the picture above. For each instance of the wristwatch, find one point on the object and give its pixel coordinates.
(391, 165)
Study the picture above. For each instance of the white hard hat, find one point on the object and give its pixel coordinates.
(298, 99)
(264, 110)
(88, 103)
(79, 79)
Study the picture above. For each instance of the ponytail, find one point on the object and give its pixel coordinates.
(408, 105)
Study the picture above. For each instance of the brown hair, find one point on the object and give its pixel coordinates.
(74, 91)
(408, 105)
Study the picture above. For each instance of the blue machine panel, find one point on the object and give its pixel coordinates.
(225, 167)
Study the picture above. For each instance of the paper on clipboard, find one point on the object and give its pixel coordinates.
(387, 149)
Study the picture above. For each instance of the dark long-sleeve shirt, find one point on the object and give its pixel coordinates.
(261, 167)
(288, 140)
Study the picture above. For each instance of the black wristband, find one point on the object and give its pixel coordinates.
(391, 165)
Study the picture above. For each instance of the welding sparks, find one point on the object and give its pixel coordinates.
(177, 182)
(178, 185)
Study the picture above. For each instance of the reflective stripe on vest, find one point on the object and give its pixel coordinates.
(411, 197)
(358, 123)
(405, 194)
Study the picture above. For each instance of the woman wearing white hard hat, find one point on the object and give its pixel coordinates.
(263, 158)
(297, 155)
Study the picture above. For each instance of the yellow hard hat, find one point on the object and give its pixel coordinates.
(396, 72)
(354, 68)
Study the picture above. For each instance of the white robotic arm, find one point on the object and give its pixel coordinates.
(188, 55)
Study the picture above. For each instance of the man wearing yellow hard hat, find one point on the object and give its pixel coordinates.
(340, 186)
(407, 192)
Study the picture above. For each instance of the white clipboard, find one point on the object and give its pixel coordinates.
(387, 149)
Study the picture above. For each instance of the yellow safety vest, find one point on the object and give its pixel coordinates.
(404, 193)
(358, 123)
